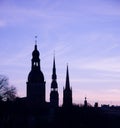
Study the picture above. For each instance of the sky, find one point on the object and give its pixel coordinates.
(83, 33)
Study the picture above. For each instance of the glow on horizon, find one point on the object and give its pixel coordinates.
(84, 34)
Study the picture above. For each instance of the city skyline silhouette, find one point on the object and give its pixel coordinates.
(33, 111)
(62, 57)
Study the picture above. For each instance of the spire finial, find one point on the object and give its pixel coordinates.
(35, 40)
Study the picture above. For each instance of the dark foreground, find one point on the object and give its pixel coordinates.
(20, 115)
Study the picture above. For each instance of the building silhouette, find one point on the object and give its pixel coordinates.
(54, 96)
(34, 112)
(67, 92)
(36, 83)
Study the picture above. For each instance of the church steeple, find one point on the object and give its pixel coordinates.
(67, 86)
(54, 97)
(67, 92)
(36, 83)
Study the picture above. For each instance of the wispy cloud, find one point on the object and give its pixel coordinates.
(2, 23)
(83, 33)
(14, 13)
(106, 64)
(13, 60)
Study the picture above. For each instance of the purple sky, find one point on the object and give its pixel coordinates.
(83, 33)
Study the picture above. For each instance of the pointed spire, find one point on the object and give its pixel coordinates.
(67, 92)
(54, 77)
(67, 79)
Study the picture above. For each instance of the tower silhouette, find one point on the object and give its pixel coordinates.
(85, 102)
(54, 96)
(67, 92)
(36, 83)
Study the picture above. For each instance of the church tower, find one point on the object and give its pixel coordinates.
(36, 83)
(54, 96)
(67, 92)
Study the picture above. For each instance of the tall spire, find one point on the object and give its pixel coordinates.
(67, 91)
(54, 96)
(67, 79)
(54, 76)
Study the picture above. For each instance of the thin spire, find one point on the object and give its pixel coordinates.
(54, 77)
(67, 79)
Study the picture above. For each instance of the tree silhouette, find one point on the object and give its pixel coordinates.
(7, 92)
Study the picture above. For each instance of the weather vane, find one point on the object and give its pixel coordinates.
(36, 40)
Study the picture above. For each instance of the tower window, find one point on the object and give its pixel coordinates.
(35, 64)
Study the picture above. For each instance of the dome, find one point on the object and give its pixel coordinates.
(36, 76)
(54, 84)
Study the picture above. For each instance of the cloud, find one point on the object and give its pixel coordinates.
(47, 12)
(111, 64)
(14, 58)
(113, 90)
(2, 23)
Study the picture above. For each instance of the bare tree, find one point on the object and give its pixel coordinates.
(6, 91)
